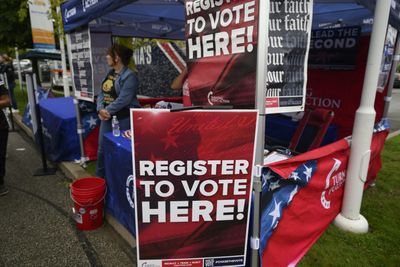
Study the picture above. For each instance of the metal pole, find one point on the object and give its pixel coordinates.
(262, 51)
(19, 69)
(396, 60)
(63, 59)
(350, 218)
(80, 131)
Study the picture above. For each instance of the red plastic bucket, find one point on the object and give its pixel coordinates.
(88, 196)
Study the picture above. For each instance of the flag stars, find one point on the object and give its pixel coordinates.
(295, 176)
(266, 177)
(275, 213)
(307, 172)
(274, 185)
(92, 122)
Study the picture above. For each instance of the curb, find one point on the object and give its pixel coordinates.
(74, 171)
(393, 134)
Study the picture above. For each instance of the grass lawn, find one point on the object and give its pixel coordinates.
(381, 246)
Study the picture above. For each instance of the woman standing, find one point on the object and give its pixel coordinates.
(4, 102)
(6, 67)
(118, 95)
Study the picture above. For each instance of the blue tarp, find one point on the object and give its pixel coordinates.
(139, 18)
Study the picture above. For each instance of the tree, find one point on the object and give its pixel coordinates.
(15, 29)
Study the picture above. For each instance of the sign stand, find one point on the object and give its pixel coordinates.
(45, 170)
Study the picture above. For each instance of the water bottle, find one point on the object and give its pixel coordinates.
(115, 126)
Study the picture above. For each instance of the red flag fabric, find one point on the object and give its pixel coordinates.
(312, 209)
(311, 206)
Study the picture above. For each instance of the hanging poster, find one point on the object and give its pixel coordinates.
(193, 177)
(288, 40)
(387, 58)
(334, 48)
(100, 42)
(87, 58)
(221, 51)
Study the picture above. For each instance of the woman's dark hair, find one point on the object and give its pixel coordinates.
(123, 52)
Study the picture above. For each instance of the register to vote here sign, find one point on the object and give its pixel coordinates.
(193, 177)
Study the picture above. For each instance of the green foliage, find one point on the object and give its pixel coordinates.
(56, 17)
(15, 27)
(381, 208)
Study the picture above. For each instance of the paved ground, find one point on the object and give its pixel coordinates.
(35, 219)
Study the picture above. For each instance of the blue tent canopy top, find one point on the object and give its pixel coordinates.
(166, 18)
(139, 18)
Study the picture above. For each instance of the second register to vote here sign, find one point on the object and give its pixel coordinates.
(193, 177)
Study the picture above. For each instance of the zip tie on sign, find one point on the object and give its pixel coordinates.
(258, 170)
(81, 131)
(388, 98)
(254, 243)
(76, 101)
(257, 185)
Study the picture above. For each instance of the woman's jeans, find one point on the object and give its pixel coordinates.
(3, 152)
(13, 99)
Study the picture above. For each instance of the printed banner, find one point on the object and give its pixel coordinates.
(193, 177)
(288, 39)
(42, 26)
(89, 67)
(158, 63)
(387, 58)
(99, 45)
(334, 48)
(222, 51)
(340, 91)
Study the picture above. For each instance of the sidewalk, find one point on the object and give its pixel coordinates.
(74, 171)
(36, 224)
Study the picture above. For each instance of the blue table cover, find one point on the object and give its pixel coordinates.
(118, 166)
(59, 129)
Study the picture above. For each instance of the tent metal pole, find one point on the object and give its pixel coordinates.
(63, 58)
(396, 60)
(350, 218)
(79, 126)
(80, 131)
(262, 51)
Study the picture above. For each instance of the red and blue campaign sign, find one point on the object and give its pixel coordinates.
(221, 44)
(193, 178)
